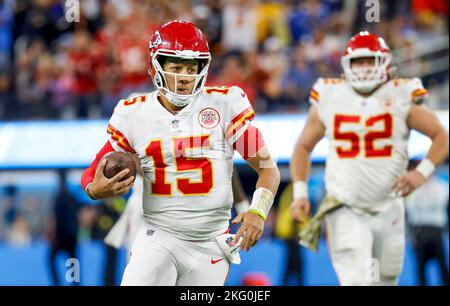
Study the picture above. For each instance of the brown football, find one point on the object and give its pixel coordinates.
(116, 162)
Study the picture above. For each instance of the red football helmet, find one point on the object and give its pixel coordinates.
(365, 44)
(182, 40)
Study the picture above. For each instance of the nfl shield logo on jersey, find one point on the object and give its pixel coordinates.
(208, 118)
(175, 124)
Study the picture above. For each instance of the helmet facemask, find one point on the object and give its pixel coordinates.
(366, 79)
(161, 78)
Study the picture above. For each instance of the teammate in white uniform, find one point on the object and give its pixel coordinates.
(367, 118)
(185, 135)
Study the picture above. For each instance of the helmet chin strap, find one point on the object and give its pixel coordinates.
(366, 89)
(176, 99)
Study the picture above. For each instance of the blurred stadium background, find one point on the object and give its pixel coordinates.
(59, 82)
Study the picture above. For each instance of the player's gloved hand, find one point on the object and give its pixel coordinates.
(103, 187)
(300, 209)
(251, 229)
(406, 184)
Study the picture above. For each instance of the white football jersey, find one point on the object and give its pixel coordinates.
(186, 158)
(368, 138)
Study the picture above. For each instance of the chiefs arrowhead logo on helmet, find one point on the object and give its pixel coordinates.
(156, 40)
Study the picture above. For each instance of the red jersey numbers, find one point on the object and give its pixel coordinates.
(351, 137)
(184, 164)
(223, 90)
(385, 133)
(161, 186)
(134, 100)
(369, 138)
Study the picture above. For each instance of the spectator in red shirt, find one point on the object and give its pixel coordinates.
(83, 63)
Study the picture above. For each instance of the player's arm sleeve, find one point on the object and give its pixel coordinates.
(411, 92)
(88, 174)
(418, 93)
(249, 143)
(239, 115)
(118, 141)
(315, 96)
(117, 130)
(240, 133)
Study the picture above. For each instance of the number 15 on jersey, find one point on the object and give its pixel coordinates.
(161, 186)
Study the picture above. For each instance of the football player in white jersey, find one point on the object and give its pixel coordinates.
(367, 117)
(185, 135)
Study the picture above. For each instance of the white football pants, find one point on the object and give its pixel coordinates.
(367, 249)
(160, 259)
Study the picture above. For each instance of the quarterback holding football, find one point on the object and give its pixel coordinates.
(185, 135)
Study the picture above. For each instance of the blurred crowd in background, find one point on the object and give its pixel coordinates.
(275, 50)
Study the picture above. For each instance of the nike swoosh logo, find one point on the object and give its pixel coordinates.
(243, 94)
(216, 261)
